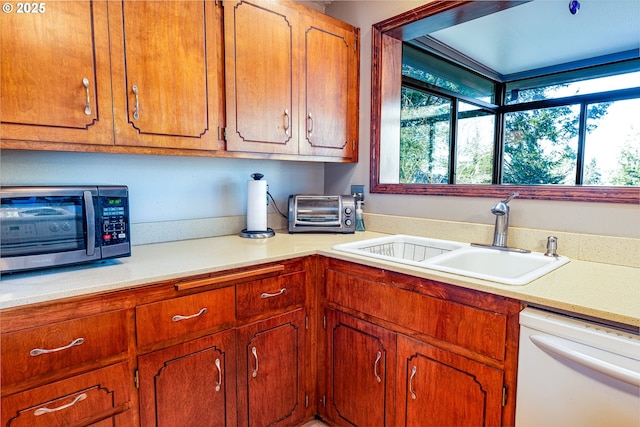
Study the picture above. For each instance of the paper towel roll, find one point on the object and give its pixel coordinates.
(257, 205)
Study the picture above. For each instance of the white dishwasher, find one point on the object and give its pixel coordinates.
(573, 372)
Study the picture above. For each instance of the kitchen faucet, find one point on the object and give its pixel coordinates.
(501, 211)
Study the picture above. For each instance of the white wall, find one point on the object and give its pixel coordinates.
(165, 188)
(592, 218)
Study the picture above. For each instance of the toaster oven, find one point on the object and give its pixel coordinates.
(322, 214)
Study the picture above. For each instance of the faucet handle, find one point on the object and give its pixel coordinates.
(511, 197)
(552, 246)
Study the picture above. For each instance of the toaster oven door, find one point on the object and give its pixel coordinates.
(318, 211)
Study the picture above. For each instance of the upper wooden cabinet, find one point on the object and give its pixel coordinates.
(291, 81)
(167, 73)
(55, 80)
(330, 81)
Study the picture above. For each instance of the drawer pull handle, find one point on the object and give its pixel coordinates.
(178, 318)
(39, 351)
(136, 109)
(266, 295)
(375, 366)
(411, 391)
(255, 355)
(42, 411)
(219, 383)
(87, 107)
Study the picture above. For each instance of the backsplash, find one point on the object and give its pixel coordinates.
(586, 247)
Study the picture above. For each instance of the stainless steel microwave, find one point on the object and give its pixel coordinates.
(52, 226)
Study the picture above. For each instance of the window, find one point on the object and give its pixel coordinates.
(571, 128)
(475, 151)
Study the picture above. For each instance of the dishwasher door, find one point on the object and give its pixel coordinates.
(576, 373)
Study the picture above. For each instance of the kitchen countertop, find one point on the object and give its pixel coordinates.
(603, 291)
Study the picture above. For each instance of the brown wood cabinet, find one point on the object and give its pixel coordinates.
(437, 387)
(291, 81)
(271, 371)
(56, 83)
(360, 371)
(191, 384)
(168, 76)
(456, 349)
(67, 364)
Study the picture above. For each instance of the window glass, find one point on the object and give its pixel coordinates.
(435, 71)
(540, 146)
(425, 128)
(612, 145)
(563, 86)
(475, 145)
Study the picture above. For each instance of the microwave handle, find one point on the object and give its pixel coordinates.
(90, 222)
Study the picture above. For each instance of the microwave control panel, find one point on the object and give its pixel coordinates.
(113, 215)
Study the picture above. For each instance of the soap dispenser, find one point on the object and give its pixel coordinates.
(359, 216)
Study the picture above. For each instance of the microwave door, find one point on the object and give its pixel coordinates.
(47, 229)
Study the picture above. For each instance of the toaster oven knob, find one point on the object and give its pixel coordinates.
(348, 211)
(347, 222)
(54, 227)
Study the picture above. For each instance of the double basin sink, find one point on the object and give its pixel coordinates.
(501, 266)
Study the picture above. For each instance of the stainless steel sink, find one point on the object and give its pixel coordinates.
(511, 268)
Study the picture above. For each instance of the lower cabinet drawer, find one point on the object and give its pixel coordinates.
(261, 296)
(164, 320)
(33, 352)
(81, 400)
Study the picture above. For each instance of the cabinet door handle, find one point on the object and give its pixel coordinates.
(45, 410)
(375, 366)
(39, 351)
(288, 124)
(310, 125)
(219, 383)
(255, 355)
(136, 109)
(411, 391)
(178, 318)
(87, 107)
(266, 295)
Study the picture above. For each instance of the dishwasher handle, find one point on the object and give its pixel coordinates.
(554, 346)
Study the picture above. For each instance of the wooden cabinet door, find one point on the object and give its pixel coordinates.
(360, 373)
(56, 81)
(439, 388)
(261, 49)
(271, 374)
(191, 384)
(329, 110)
(167, 73)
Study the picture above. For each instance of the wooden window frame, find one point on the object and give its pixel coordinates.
(386, 75)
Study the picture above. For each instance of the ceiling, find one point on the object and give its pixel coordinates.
(543, 33)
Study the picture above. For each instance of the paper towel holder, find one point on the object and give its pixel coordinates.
(257, 234)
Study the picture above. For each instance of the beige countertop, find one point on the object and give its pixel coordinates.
(604, 291)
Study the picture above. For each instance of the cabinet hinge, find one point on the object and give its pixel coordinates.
(355, 42)
(222, 133)
(504, 395)
(136, 379)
